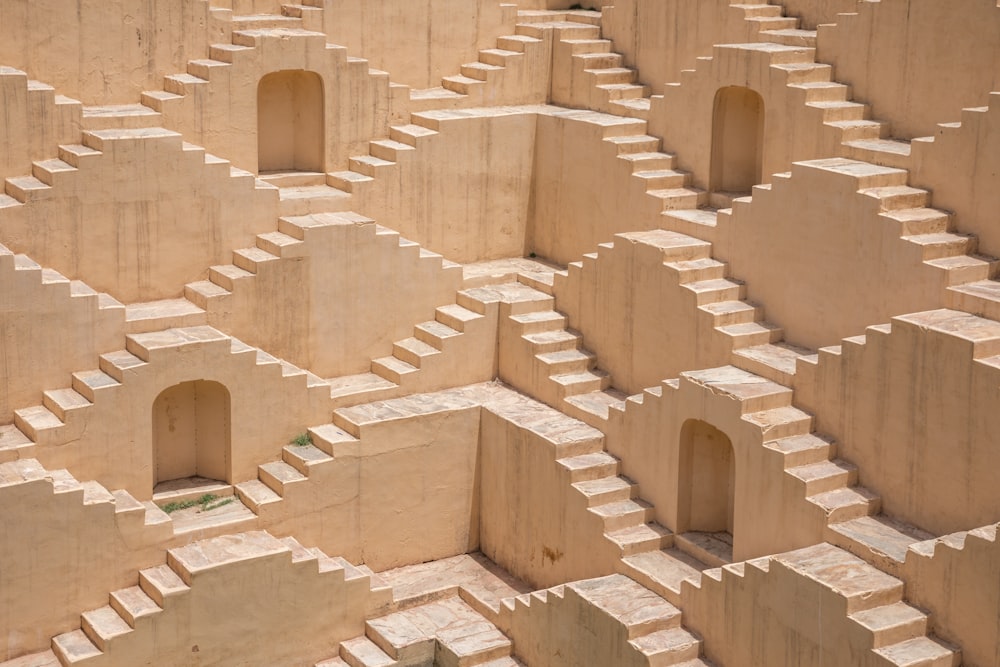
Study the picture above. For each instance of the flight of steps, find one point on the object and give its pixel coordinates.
(720, 299)
(849, 512)
(598, 78)
(454, 331)
(644, 628)
(614, 88)
(299, 464)
(136, 608)
(878, 620)
(931, 233)
(445, 632)
(541, 356)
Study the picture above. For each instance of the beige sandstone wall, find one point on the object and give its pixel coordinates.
(36, 122)
(464, 192)
(660, 38)
(582, 194)
(77, 547)
(947, 578)
(103, 51)
(337, 299)
(826, 271)
(417, 43)
(914, 409)
(50, 328)
(894, 57)
(139, 215)
(815, 12)
(960, 168)
(532, 523)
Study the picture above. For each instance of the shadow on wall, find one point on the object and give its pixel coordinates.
(191, 432)
(290, 113)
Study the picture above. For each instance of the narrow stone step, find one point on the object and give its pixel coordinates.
(892, 623)
(920, 651)
(133, 604)
(102, 625)
(668, 646)
(664, 571)
(73, 647)
(589, 466)
(877, 539)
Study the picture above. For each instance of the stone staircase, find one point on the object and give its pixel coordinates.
(447, 632)
(929, 234)
(641, 627)
(878, 624)
(161, 589)
(599, 81)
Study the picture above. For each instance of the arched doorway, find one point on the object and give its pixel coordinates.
(191, 432)
(290, 116)
(707, 479)
(737, 141)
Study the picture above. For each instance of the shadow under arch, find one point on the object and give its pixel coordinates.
(737, 141)
(290, 122)
(192, 432)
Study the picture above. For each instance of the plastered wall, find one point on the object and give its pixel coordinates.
(893, 56)
(339, 298)
(582, 194)
(961, 166)
(912, 407)
(47, 332)
(861, 272)
(425, 42)
(465, 192)
(139, 216)
(103, 52)
(662, 38)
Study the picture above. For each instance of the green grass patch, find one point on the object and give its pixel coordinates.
(207, 502)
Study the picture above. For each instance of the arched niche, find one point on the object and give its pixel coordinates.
(707, 481)
(191, 432)
(737, 141)
(290, 122)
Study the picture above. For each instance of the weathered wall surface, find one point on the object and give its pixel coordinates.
(49, 328)
(947, 578)
(139, 215)
(532, 524)
(662, 38)
(582, 193)
(961, 167)
(417, 43)
(100, 51)
(914, 409)
(464, 192)
(337, 299)
(893, 56)
(827, 271)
